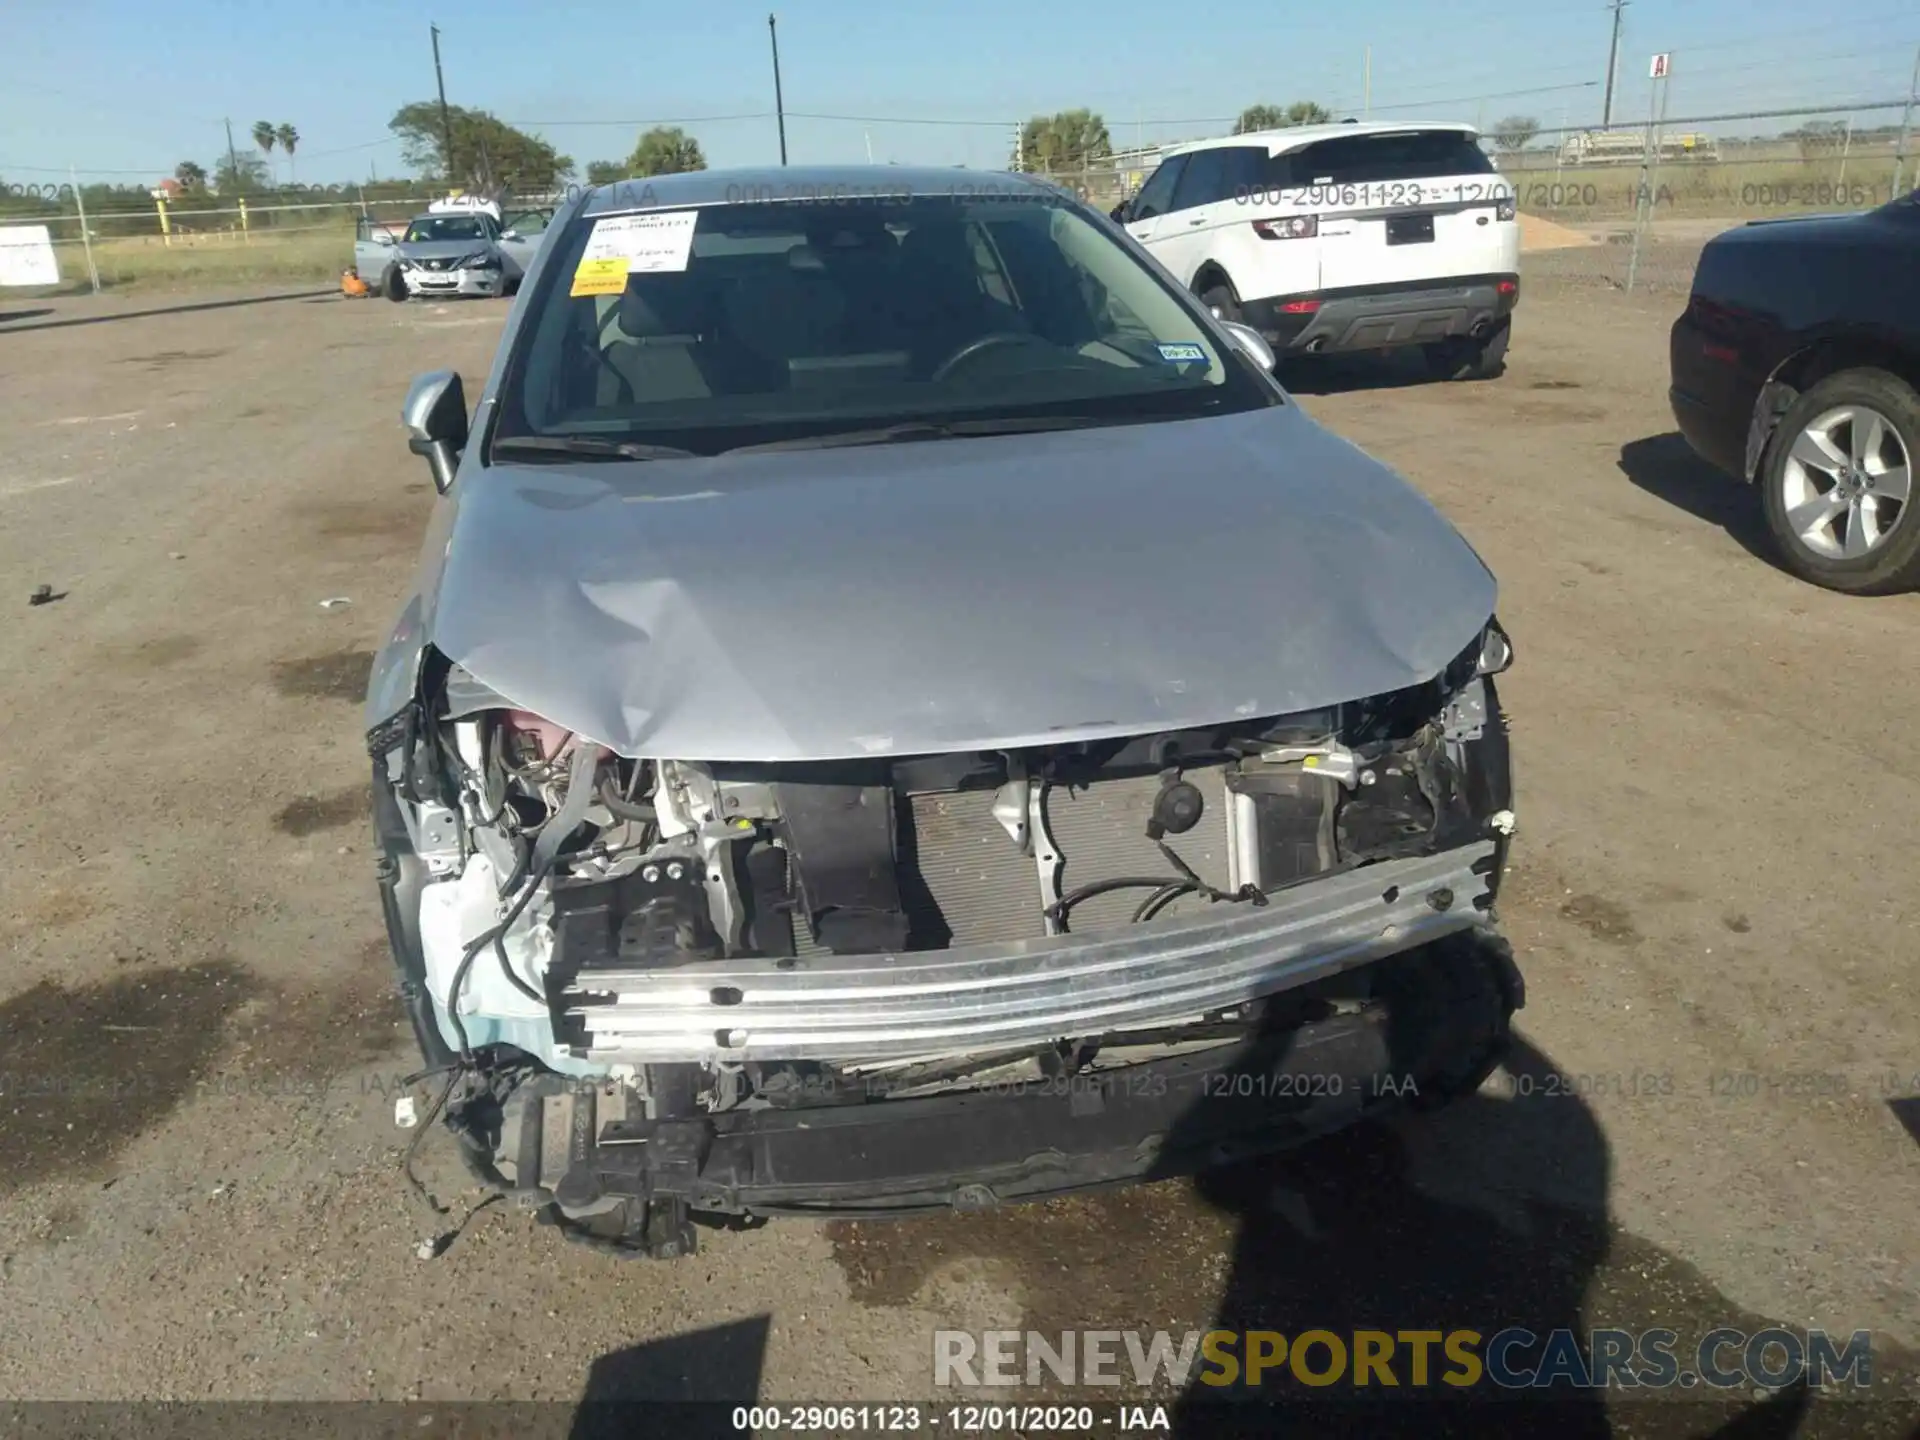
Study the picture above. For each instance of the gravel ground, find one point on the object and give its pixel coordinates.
(203, 1197)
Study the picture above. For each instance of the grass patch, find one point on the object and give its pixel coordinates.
(190, 262)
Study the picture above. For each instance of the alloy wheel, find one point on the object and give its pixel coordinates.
(1846, 482)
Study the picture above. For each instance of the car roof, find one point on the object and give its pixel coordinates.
(1298, 137)
(799, 182)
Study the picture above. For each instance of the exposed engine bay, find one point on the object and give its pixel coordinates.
(624, 961)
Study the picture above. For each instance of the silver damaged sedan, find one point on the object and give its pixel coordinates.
(898, 709)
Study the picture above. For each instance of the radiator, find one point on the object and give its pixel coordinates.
(981, 888)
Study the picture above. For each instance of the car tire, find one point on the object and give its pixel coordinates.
(1463, 357)
(392, 284)
(1221, 298)
(1812, 536)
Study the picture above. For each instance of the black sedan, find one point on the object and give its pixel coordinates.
(1796, 365)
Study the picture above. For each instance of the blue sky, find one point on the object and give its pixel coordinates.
(125, 89)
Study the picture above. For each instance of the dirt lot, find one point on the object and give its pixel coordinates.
(1712, 900)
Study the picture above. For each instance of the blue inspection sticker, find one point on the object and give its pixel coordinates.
(1182, 352)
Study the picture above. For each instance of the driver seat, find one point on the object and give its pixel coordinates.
(941, 299)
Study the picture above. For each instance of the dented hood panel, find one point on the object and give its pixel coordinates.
(952, 595)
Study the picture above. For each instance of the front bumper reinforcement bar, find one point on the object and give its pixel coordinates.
(983, 998)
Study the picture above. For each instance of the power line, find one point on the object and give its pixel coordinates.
(350, 149)
(1475, 99)
(628, 124)
(83, 170)
(904, 120)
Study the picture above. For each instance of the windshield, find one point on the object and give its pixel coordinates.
(1365, 159)
(760, 323)
(446, 227)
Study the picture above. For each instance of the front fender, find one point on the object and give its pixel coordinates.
(395, 678)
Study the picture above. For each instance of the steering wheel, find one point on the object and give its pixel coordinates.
(991, 340)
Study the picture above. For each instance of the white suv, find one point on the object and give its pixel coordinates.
(1343, 237)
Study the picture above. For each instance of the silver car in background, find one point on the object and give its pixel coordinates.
(898, 709)
(472, 251)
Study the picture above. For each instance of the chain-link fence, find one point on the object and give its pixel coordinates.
(1626, 207)
(196, 236)
(1629, 207)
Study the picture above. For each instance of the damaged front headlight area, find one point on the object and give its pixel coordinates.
(668, 985)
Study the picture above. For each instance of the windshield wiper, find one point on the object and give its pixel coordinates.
(924, 430)
(587, 448)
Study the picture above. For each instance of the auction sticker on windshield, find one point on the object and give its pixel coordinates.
(650, 244)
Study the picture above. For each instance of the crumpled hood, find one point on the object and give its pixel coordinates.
(953, 595)
(443, 249)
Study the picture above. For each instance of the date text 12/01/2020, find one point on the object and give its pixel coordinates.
(1586, 195)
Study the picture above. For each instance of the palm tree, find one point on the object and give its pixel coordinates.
(264, 135)
(289, 139)
(666, 150)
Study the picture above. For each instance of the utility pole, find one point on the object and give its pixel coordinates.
(1613, 63)
(1366, 88)
(233, 160)
(446, 125)
(86, 235)
(779, 106)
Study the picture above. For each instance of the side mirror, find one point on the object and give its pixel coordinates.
(436, 419)
(1119, 213)
(1249, 342)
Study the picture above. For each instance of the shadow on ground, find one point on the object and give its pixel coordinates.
(1345, 373)
(1353, 371)
(1489, 1215)
(1665, 467)
(182, 308)
(720, 1367)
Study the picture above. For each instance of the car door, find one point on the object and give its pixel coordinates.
(521, 237)
(1154, 200)
(1208, 203)
(372, 249)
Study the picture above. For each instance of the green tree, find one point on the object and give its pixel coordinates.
(488, 154)
(605, 172)
(1307, 112)
(239, 174)
(1515, 132)
(289, 139)
(1259, 117)
(191, 174)
(665, 150)
(1068, 140)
